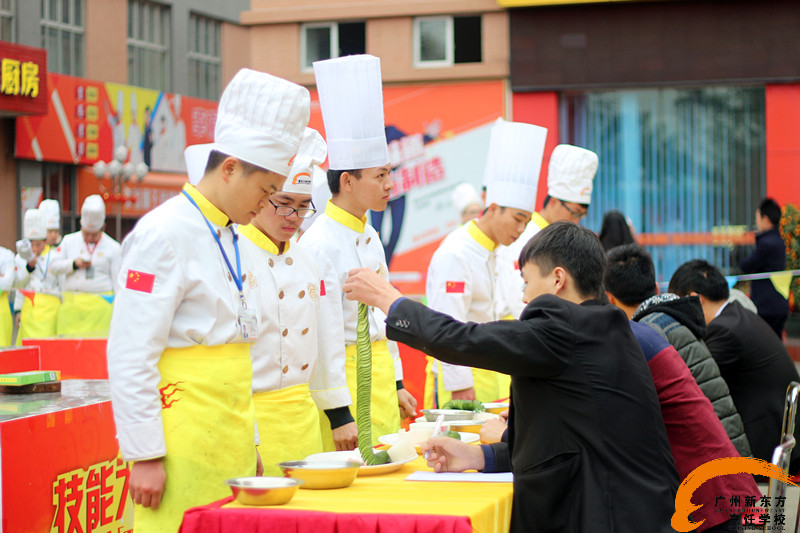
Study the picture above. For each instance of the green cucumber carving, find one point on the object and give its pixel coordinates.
(364, 391)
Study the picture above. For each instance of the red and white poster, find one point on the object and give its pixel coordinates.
(438, 137)
(86, 120)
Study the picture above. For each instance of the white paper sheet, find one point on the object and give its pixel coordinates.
(421, 475)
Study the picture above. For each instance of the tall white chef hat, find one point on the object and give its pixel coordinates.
(33, 225)
(93, 213)
(513, 165)
(571, 173)
(464, 195)
(351, 98)
(52, 213)
(312, 152)
(260, 120)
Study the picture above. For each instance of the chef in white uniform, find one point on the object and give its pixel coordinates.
(461, 275)
(286, 283)
(179, 349)
(7, 265)
(570, 175)
(351, 99)
(88, 260)
(52, 217)
(41, 299)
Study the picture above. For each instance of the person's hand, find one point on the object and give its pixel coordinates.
(407, 403)
(452, 455)
(492, 430)
(346, 437)
(25, 250)
(368, 287)
(82, 263)
(259, 464)
(147, 482)
(464, 394)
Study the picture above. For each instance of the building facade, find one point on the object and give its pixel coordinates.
(114, 67)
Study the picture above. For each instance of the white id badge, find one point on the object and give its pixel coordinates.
(90, 272)
(248, 325)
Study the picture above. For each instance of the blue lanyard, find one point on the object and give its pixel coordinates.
(47, 266)
(237, 276)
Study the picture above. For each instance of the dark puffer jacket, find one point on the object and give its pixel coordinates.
(681, 321)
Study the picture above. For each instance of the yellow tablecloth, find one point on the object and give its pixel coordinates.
(488, 505)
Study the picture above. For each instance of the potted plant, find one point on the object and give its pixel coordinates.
(790, 231)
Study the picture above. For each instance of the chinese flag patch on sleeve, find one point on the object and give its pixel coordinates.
(456, 287)
(140, 281)
(322, 287)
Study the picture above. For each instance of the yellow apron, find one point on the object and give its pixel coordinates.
(489, 385)
(84, 314)
(6, 320)
(385, 412)
(288, 423)
(39, 316)
(209, 428)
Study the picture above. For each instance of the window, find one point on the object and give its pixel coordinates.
(444, 41)
(6, 20)
(329, 40)
(676, 161)
(62, 35)
(148, 45)
(204, 57)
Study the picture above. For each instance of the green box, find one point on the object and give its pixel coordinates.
(27, 378)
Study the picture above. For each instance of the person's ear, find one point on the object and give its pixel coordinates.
(560, 278)
(229, 167)
(346, 182)
(611, 299)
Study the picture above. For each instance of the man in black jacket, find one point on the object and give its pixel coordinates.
(769, 256)
(588, 447)
(751, 359)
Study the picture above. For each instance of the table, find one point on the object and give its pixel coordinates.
(385, 503)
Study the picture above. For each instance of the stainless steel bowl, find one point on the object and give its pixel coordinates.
(322, 474)
(263, 490)
(449, 414)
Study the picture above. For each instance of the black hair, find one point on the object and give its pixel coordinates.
(769, 208)
(335, 177)
(701, 277)
(548, 198)
(615, 230)
(573, 248)
(215, 159)
(630, 274)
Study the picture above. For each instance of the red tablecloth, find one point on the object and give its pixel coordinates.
(381, 504)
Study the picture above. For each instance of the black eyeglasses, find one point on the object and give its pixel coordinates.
(285, 210)
(575, 215)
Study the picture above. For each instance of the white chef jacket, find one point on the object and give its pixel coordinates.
(42, 279)
(285, 288)
(7, 266)
(340, 242)
(461, 283)
(193, 300)
(509, 279)
(105, 263)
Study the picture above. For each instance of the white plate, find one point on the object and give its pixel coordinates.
(365, 470)
(391, 439)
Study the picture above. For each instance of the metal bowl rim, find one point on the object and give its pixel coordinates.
(280, 482)
(331, 464)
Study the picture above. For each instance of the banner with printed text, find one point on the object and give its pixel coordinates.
(438, 137)
(86, 120)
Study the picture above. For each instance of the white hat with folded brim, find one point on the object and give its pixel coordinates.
(93, 213)
(570, 174)
(465, 195)
(260, 120)
(33, 225)
(513, 164)
(312, 152)
(351, 99)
